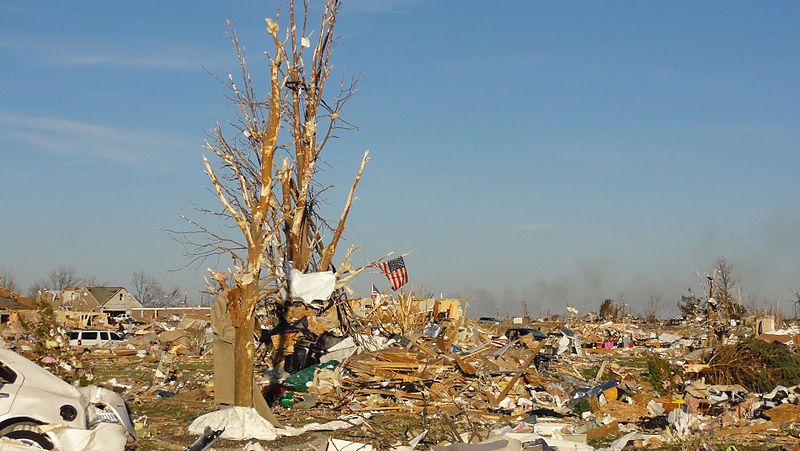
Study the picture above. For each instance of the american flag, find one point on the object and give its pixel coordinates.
(375, 293)
(395, 271)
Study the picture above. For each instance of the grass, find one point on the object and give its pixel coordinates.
(589, 373)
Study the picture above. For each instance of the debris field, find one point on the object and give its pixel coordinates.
(415, 373)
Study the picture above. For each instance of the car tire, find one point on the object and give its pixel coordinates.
(27, 433)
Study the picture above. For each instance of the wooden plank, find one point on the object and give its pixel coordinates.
(396, 394)
(376, 409)
(521, 371)
(465, 366)
(423, 348)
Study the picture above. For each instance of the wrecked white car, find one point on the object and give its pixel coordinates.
(42, 411)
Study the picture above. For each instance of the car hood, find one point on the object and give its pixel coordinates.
(39, 394)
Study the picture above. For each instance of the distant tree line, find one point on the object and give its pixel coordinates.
(150, 292)
(719, 289)
(144, 287)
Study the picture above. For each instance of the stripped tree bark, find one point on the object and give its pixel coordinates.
(268, 189)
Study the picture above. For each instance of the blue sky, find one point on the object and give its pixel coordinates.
(547, 151)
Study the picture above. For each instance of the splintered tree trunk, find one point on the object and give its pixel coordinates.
(243, 362)
(246, 184)
(244, 349)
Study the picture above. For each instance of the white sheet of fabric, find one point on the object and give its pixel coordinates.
(683, 423)
(348, 347)
(9, 444)
(344, 445)
(340, 351)
(103, 437)
(315, 286)
(244, 423)
(668, 338)
(555, 440)
(240, 423)
(375, 343)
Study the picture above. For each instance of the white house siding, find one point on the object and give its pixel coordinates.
(121, 301)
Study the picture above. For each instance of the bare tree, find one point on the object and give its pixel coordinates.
(268, 189)
(171, 296)
(206, 298)
(61, 277)
(724, 283)
(91, 281)
(7, 279)
(145, 288)
(36, 288)
(653, 309)
(608, 310)
(151, 293)
(722, 286)
(689, 305)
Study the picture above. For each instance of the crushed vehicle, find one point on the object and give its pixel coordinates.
(515, 332)
(42, 411)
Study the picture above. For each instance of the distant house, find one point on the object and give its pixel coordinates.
(12, 301)
(12, 304)
(111, 300)
(75, 299)
(114, 300)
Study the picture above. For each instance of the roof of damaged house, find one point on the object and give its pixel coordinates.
(103, 294)
(77, 299)
(11, 300)
(113, 297)
(11, 304)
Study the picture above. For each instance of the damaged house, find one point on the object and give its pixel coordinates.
(12, 301)
(76, 299)
(114, 301)
(109, 300)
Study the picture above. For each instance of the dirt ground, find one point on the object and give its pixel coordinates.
(166, 419)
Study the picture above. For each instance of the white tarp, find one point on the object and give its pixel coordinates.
(348, 347)
(315, 286)
(344, 445)
(668, 338)
(244, 423)
(103, 437)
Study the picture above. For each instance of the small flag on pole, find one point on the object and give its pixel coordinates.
(395, 271)
(375, 293)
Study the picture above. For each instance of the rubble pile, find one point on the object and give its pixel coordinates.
(416, 373)
(41, 338)
(588, 383)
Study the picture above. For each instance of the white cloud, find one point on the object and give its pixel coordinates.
(132, 61)
(67, 137)
(141, 55)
